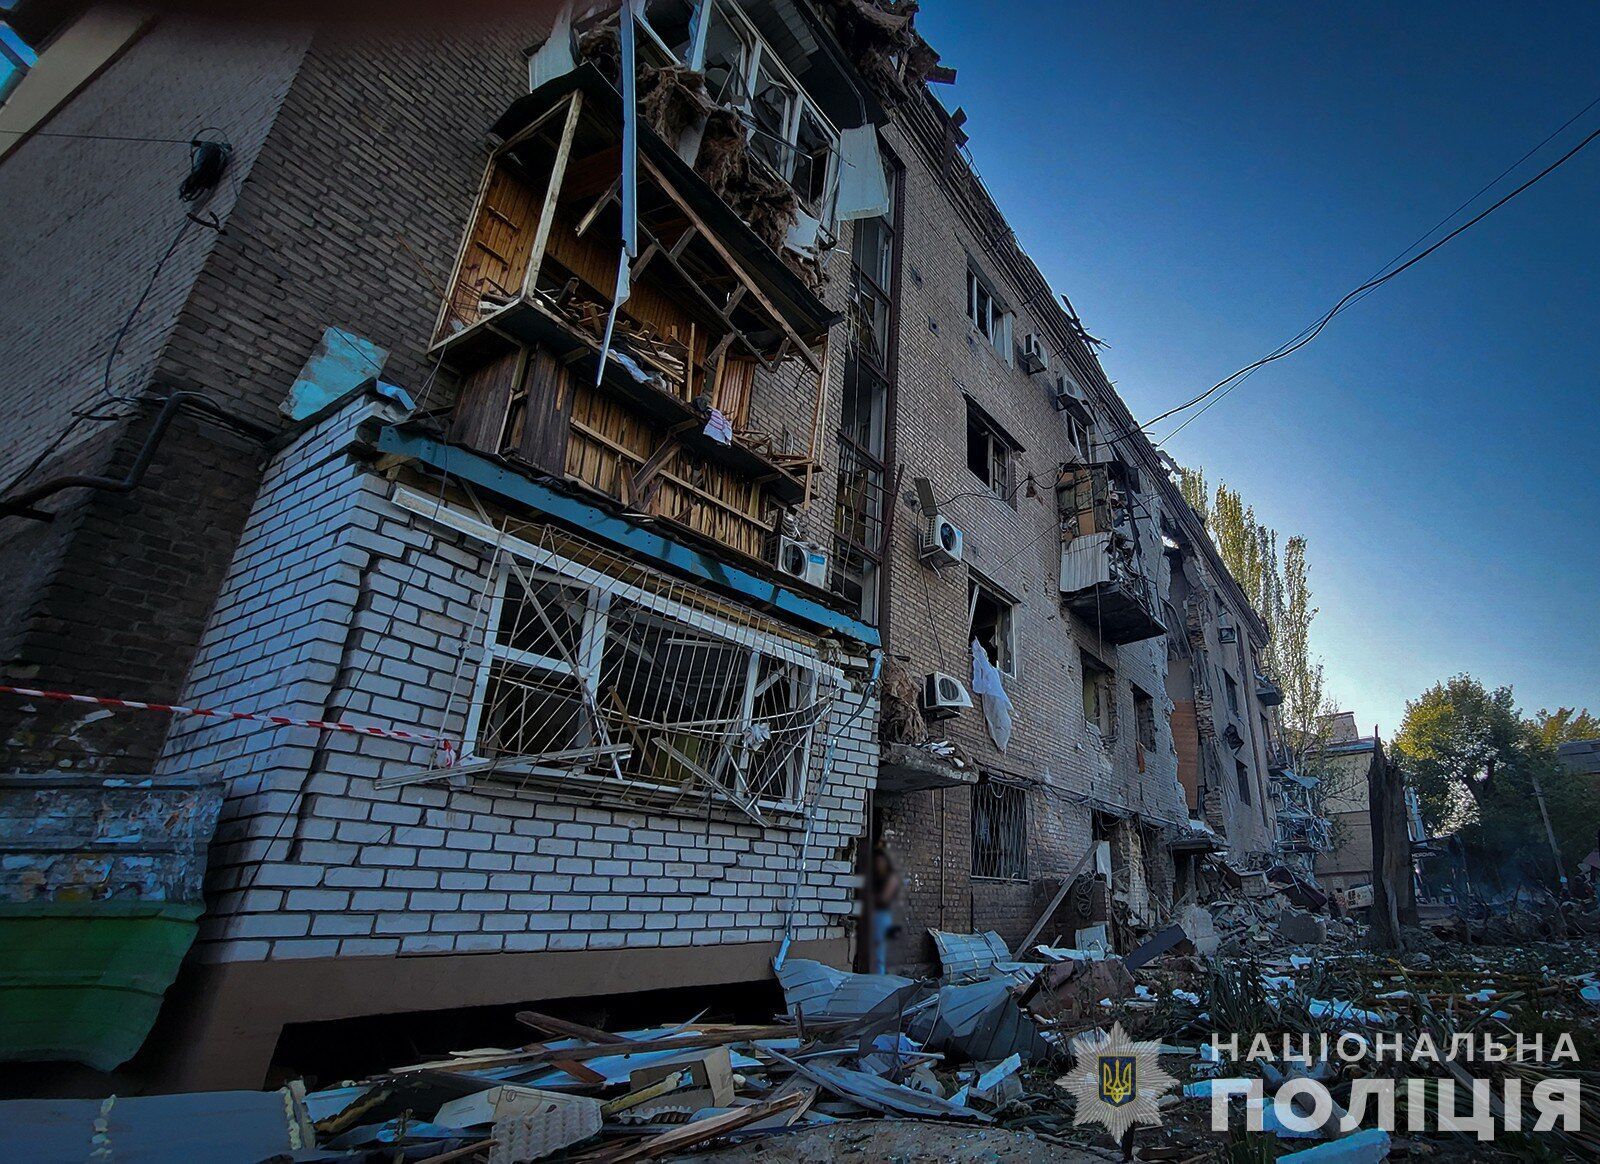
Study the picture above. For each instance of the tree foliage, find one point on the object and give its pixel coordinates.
(1479, 767)
(1279, 588)
(1566, 724)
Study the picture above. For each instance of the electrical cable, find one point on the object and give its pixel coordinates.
(1481, 191)
(1310, 333)
(100, 136)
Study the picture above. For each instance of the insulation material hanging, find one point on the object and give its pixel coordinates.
(863, 186)
(996, 703)
(555, 57)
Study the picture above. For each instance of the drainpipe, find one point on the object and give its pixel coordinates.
(23, 504)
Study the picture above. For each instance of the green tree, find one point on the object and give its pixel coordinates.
(1280, 591)
(1458, 737)
(1479, 769)
(1566, 724)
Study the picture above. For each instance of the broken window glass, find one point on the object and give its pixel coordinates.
(988, 451)
(993, 625)
(1098, 707)
(1144, 718)
(680, 698)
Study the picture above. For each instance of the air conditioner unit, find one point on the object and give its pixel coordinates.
(1034, 356)
(944, 695)
(1066, 394)
(806, 561)
(941, 541)
(1228, 634)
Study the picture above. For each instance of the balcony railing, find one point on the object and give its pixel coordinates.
(1102, 577)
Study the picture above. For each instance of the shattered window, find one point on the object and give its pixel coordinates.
(615, 679)
(1144, 717)
(1244, 781)
(989, 451)
(993, 625)
(1097, 703)
(1000, 831)
(1081, 437)
(1233, 693)
(858, 524)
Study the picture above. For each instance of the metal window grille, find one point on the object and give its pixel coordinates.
(595, 667)
(1000, 831)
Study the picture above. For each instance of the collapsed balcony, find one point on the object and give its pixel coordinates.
(1103, 579)
(667, 427)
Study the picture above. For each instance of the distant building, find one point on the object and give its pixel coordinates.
(1580, 756)
(1342, 763)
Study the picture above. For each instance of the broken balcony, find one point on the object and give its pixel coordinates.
(666, 427)
(1103, 580)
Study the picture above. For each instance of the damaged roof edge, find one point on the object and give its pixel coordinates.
(761, 263)
(1050, 313)
(621, 533)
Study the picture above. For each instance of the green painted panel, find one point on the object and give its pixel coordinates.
(82, 981)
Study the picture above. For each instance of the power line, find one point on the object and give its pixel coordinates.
(1481, 191)
(1310, 333)
(99, 136)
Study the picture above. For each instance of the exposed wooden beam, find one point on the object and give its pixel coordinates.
(547, 213)
(737, 267)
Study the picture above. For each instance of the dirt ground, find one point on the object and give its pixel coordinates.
(900, 1142)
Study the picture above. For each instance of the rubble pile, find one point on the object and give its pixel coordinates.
(880, 1066)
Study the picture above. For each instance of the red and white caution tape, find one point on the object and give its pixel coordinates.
(446, 747)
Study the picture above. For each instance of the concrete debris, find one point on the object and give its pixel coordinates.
(1301, 928)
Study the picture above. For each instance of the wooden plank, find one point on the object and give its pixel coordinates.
(567, 1029)
(547, 412)
(709, 1128)
(1055, 903)
(734, 265)
(547, 212)
(708, 1038)
(481, 408)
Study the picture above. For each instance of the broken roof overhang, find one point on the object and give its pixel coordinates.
(619, 533)
(758, 262)
(911, 768)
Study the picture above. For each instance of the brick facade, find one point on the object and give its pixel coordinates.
(282, 575)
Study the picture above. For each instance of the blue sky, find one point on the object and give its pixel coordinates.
(1205, 180)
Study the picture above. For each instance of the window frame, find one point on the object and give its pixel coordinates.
(1102, 679)
(993, 320)
(1001, 858)
(861, 500)
(1000, 454)
(756, 55)
(1005, 623)
(1230, 688)
(600, 592)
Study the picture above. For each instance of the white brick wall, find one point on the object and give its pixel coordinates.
(342, 605)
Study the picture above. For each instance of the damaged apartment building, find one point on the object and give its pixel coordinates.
(575, 491)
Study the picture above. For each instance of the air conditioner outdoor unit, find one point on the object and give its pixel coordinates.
(1066, 393)
(806, 561)
(944, 695)
(1228, 634)
(941, 541)
(1034, 356)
